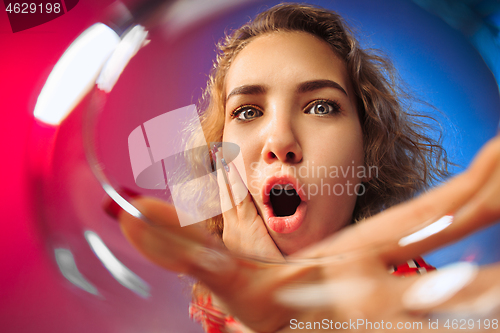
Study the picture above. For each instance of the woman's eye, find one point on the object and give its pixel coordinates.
(322, 108)
(247, 113)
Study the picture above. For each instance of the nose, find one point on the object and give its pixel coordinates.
(281, 143)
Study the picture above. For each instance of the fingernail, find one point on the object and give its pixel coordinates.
(325, 294)
(436, 288)
(428, 231)
(226, 167)
(112, 208)
(214, 150)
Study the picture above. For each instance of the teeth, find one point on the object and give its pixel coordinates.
(286, 187)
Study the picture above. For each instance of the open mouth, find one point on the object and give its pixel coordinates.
(285, 204)
(284, 200)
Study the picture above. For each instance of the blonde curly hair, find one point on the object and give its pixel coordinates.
(397, 140)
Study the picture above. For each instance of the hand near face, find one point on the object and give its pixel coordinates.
(244, 230)
(351, 281)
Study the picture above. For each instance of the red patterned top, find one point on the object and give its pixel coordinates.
(215, 321)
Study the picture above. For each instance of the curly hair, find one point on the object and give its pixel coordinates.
(396, 140)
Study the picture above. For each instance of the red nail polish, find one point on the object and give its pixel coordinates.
(129, 192)
(226, 167)
(112, 208)
(213, 150)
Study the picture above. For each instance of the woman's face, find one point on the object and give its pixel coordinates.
(291, 109)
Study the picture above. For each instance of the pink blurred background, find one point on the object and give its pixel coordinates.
(32, 299)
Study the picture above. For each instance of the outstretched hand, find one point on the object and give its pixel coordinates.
(349, 281)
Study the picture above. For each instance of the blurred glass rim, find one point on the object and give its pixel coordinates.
(101, 52)
(178, 17)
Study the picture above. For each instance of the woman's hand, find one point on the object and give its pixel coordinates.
(355, 282)
(244, 230)
(473, 198)
(350, 282)
(245, 287)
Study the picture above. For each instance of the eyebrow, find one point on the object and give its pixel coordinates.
(319, 84)
(256, 89)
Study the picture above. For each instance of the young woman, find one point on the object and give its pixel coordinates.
(309, 109)
(324, 141)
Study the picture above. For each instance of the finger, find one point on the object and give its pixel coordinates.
(224, 190)
(381, 234)
(182, 249)
(238, 188)
(243, 211)
(336, 284)
(460, 288)
(246, 286)
(484, 207)
(162, 232)
(245, 207)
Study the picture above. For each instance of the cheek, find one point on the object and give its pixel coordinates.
(341, 149)
(352, 144)
(340, 161)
